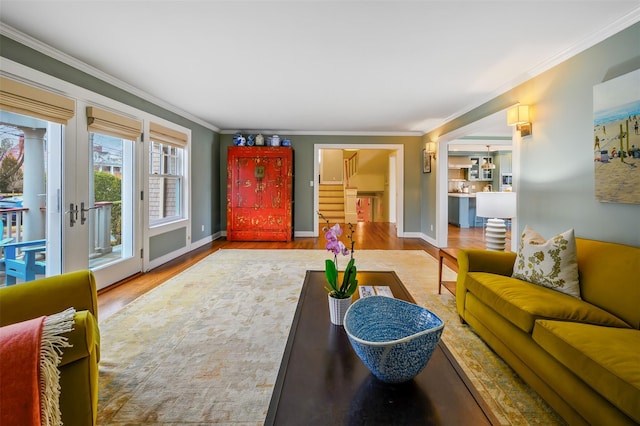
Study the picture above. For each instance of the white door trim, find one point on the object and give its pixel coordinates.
(398, 148)
(442, 197)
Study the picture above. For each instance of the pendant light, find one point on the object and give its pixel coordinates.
(487, 164)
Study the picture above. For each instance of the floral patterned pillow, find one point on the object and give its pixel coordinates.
(552, 263)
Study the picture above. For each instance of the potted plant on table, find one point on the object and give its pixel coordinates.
(339, 292)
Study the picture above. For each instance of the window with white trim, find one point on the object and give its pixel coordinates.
(167, 156)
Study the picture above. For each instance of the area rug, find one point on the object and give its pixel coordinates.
(205, 347)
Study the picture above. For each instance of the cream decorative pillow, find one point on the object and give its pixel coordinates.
(552, 263)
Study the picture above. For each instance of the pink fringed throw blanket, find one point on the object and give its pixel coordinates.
(30, 352)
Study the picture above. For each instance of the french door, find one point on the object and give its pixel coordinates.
(30, 191)
(68, 180)
(102, 220)
(68, 198)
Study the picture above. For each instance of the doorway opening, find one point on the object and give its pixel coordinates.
(385, 191)
(470, 143)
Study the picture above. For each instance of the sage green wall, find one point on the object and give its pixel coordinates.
(304, 216)
(205, 150)
(556, 189)
(159, 242)
(556, 167)
(428, 201)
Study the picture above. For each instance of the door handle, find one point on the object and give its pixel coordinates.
(73, 214)
(83, 218)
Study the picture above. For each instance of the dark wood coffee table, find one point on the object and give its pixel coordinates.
(322, 381)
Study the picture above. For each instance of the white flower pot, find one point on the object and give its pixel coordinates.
(337, 309)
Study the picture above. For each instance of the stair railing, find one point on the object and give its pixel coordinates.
(350, 169)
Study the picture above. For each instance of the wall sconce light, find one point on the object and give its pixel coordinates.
(431, 149)
(519, 116)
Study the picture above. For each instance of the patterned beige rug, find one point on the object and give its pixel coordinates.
(205, 347)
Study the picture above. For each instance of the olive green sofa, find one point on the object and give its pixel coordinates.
(79, 364)
(581, 356)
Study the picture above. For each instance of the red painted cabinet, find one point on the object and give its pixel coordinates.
(259, 193)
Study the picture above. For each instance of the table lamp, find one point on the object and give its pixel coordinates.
(496, 206)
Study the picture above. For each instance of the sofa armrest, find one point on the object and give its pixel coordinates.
(476, 260)
(48, 296)
(495, 262)
(84, 338)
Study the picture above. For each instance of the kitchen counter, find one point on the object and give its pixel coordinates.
(462, 209)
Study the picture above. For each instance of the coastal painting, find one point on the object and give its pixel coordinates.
(616, 139)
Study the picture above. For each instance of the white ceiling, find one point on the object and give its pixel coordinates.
(321, 66)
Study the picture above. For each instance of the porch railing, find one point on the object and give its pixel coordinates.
(12, 219)
(99, 233)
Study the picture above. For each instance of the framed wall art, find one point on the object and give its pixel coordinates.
(426, 161)
(616, 139)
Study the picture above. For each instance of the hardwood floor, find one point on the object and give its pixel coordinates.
(380, 236)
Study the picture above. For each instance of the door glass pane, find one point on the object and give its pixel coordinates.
(111, 190)
(29, 245)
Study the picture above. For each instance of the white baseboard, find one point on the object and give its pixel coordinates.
(422, 236)
(300, 234)
(304, 234)
(413, 235)
(166, 258)
(201, 242)
(310, 234)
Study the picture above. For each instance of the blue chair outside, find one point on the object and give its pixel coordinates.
(26, 268)
(3, 241)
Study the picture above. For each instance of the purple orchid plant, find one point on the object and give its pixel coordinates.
(334, 245)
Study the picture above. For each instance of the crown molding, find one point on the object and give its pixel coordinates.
(598, 36)
(317, 133)
(58, 55)
(487, 138)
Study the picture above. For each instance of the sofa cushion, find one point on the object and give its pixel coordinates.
(606, 358)
(550, 263)
(609, 277)
(523, 303)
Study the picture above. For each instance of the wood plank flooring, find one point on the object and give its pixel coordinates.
(370, 235)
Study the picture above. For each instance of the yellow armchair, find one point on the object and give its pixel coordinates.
(79, 365)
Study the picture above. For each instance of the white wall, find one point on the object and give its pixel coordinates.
(331, 166)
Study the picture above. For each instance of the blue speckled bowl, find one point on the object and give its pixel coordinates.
(395, 339)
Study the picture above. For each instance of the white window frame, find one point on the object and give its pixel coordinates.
(85, 98)
(162, 226)
(167, 161)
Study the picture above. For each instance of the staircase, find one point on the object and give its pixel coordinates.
(331, 202)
